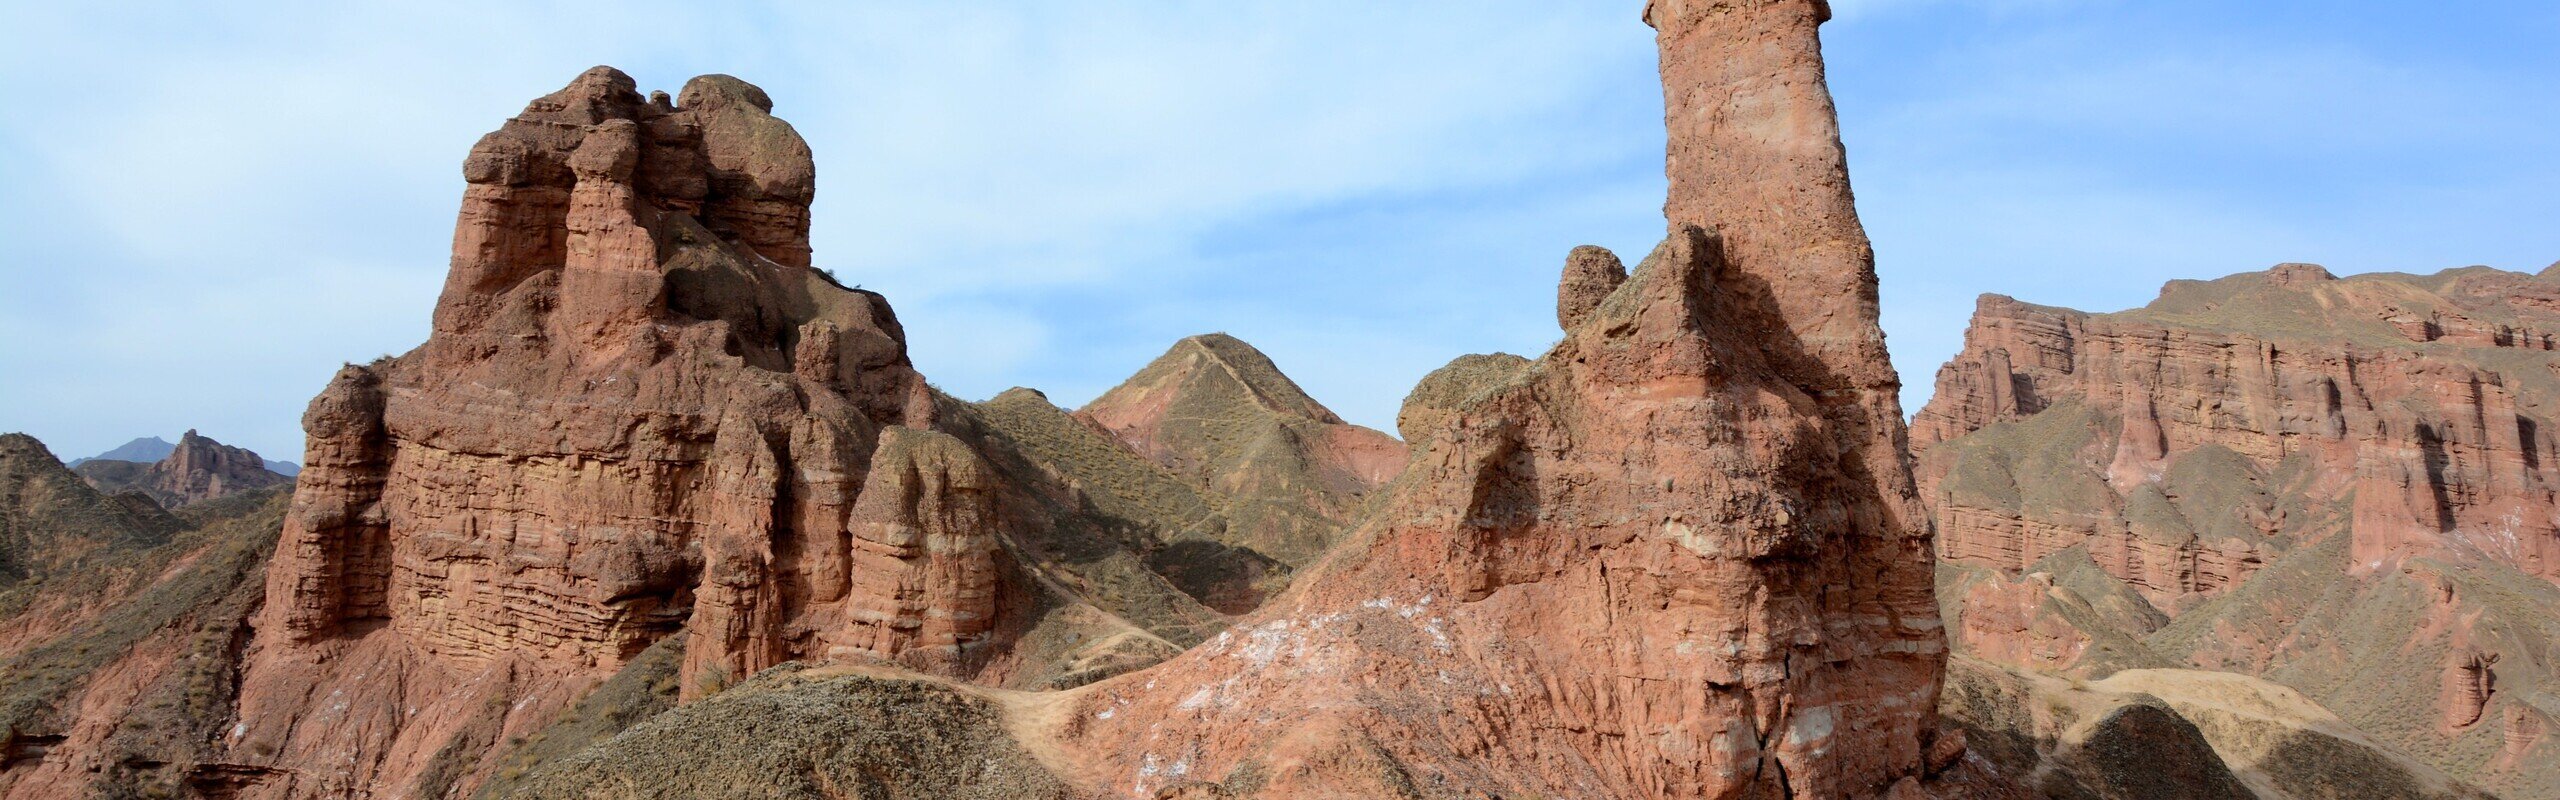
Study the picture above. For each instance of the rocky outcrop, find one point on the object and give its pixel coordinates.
(1290, 474)
(634, 398)
(1590, 274)
(1434, 403)
(197, 469)
(2470, 677)
(1678, 556)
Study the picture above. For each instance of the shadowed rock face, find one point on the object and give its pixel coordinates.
(1677, 556)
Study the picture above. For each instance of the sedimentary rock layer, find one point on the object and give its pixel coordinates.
(2423, 401)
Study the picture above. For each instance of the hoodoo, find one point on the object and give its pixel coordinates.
(1678, 556)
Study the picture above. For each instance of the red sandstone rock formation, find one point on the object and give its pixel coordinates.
(640, 410)
(2422, 398)
(1679, 556)
(1590, 274)
(2470, 678)
(2006, 622)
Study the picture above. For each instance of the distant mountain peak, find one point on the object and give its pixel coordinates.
(146, 450)
(1211, 363)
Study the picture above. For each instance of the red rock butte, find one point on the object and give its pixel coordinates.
(639, 411)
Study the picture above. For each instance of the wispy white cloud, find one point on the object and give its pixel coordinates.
(209, 206)
(985, 166)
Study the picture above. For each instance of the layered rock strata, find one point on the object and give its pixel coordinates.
(640, 411)
(2422, 400)
(2342, 484)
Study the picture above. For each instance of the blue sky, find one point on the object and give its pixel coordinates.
(206, 211)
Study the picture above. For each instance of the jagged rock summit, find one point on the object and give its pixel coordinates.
(639, 411)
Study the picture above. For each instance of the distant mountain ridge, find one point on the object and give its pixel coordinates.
(146, 449)
(149, 449)
(196, 470)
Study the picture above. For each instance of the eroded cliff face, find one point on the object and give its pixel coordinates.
(2342, 484)
(1677, 556)
(2421, 402)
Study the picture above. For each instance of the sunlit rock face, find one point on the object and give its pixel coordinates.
(640, 412)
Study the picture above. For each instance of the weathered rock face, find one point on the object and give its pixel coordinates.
(648, 452)
(1678, 556)
(2421, 400)
(1218, 414)
(2343, 484)
(197, 469)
